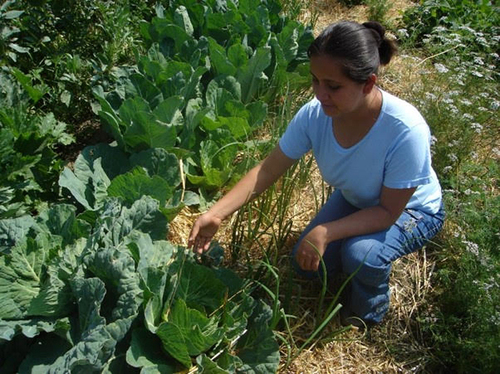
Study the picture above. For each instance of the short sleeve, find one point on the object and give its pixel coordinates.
(408, 164)
(296, 141)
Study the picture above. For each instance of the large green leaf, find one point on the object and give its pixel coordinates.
(258, 348)
(88, 182)
(148, 253)
(288, 39)
(195, 111)
(146, 352)
(136, 183)
(44, 353)
(33, 327)
(113, 160)
(147, 132)
(13, 231)
(110, 118)
(159, 162)
(146, 90)
(28, 286)
(117, 269)
(181, 18)
(130, 107)
(206, 365)
(191, 89)
(61, 220)
(118, 221)
(188, 332)
(97, 338)
(251, 76)
(163, 28)
(174, 342)
(220, 62)
(199, 286)
(169, 111)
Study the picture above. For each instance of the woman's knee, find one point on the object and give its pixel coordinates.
(361, 256)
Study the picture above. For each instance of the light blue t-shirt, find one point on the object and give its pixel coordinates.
(395, 153)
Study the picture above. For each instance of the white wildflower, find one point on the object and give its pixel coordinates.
(471, 247)
(441, 68)
(447, 169)
(478, 61)
(466, 102)
(430, 96)
(477, 74)
(433, 140)
(495, 104)
(482, 40)
(477, 127)
(468, 116)
(403, 33)
(453, 157)
(495, 319)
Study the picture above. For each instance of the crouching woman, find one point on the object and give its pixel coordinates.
(374, 149)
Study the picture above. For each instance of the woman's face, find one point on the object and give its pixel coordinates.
(338, 94)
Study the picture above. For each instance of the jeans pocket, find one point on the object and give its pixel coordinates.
(409, 220)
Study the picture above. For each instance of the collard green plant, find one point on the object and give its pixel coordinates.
(29, 163)
(117, 294)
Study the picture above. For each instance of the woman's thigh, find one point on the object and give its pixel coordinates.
(412, 230)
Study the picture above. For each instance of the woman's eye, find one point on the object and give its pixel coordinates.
(333, 88)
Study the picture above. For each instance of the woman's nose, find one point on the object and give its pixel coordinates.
(321, 92)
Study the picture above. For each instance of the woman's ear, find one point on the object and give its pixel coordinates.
(370, 83)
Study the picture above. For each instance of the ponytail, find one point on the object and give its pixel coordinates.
(386, 47)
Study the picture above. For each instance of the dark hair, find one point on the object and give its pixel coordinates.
(361, 48)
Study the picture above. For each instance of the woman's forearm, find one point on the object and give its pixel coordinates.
(365, 221)
(372, 219)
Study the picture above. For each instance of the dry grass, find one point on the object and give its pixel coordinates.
(396, 345)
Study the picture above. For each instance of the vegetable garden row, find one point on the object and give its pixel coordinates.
(88, 281)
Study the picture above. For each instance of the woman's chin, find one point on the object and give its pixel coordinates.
(330, 110)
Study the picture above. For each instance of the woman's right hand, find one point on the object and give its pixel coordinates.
(203, 231)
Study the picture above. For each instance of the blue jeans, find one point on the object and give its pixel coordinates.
(373, 254)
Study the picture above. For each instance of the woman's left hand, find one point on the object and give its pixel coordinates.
(312, 246)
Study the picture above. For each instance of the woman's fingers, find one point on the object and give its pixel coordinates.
(307, 261)
(201, 244)
(193, 236)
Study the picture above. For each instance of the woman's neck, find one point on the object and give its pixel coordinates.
(352, 127)
(367, 113)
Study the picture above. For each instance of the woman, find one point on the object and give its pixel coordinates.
(374, 149)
